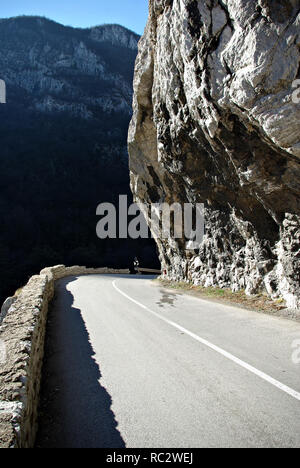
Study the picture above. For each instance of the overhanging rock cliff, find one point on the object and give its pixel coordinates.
(214, 122)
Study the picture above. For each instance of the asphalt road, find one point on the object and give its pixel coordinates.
(130, 364)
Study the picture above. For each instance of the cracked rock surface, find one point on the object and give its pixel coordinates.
(214, 122)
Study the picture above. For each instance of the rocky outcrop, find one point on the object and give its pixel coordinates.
(214, 122)
(22, 336)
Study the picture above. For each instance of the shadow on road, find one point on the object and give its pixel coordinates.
(75, 410)
(167, 298)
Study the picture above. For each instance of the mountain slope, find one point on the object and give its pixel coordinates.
(63, 144)
(54, 65)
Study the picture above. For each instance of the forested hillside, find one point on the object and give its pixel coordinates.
(63, 150)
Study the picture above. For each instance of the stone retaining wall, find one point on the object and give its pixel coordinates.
(22, 335)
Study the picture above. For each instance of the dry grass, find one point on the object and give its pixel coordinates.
(259, 302)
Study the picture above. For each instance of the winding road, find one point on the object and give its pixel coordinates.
(131, 364)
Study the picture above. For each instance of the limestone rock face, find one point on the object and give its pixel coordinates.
(214, 122)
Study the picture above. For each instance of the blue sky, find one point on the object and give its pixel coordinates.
(82, 13)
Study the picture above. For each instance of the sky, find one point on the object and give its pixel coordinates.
(82, 13)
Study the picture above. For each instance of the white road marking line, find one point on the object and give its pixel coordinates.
(231, 357)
